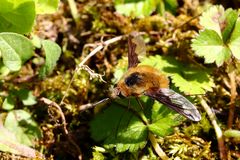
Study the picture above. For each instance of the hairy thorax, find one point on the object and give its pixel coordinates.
(139, 79)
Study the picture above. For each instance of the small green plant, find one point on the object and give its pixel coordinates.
(24, 95)
(219, 42)
(17, 19)
(138, 8)
(19, 129)
(15, 50)
(220, 37)
(19, 16)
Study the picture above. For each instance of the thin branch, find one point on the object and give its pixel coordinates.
(157, 147)
(113, 40)
(218, 131)
(54, 104)
(186, 22)
(69, 85)
(233, 91)
(74, 11)
(92, 53)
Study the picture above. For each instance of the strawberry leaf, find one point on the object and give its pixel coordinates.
(163, 120)
(213, 19)
(229, 23)
(122, 127)
(222, 22)
(234, 43)
(210, 46)
(118, 127)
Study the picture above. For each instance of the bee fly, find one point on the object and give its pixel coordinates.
(146, 80)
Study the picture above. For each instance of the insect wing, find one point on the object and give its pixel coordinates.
(136, 46)
(176, 102)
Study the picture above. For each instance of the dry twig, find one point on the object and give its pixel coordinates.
(97, 49)
(74, 10)
(54, 104)
(233, 91)
(157, 147)
(218, 131)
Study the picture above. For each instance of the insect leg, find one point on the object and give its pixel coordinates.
(139, 102)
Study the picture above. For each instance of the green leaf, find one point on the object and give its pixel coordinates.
(149, 6)
(97, 156)
(126, 127)
(5, 6)
(234, 42)
(26, 97)
(15, 50)
(222, 43)
(52, 53)
(209, 45)
(219, 20)
(21, 124)
(189, 79)
(141, 8)
(9, 143)
(171, 5)
(229, 23)
(36, 41)
(4, 71)
(46, 6)
(17, 16)
(119, 128)
(8, 103)
(213, 19)
(6, 136)
(131, 9)
(163, 120)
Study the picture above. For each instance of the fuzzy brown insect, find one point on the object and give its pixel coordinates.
(146, 80)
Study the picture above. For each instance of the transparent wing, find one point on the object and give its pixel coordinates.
(176, 102)
(136, 46)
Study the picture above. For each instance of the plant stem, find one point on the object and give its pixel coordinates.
(233, 97)
(100, 47)
(74, 11)
(218, 131)
(69, 137)
(157, 147)
(141, 113)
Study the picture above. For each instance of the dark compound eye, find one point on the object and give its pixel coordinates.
(133, 79)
